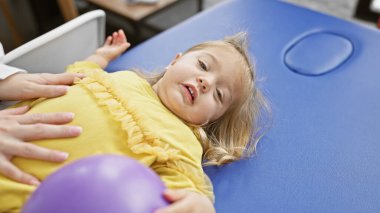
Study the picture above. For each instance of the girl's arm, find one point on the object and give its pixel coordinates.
(113, 47)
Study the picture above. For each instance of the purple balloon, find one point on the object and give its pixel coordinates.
(101, 183)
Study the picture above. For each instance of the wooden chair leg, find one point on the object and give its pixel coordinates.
(11, 23)
(68, 9)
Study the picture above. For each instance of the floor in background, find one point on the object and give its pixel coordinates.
(345, 9)
(161, 21)
(340, 8)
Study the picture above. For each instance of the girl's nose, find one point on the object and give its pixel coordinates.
(203, 84)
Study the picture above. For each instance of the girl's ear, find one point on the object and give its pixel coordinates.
(179, 55)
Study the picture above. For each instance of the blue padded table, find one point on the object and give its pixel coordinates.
(322, 76)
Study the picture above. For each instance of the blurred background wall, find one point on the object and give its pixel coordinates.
(32, 18)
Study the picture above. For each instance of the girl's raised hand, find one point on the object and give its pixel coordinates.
(114, 46)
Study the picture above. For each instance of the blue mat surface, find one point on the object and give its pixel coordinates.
(322, 76)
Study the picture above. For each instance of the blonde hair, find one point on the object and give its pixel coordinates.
(235, 134)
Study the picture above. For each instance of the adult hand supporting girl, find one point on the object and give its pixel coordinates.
(16, 127)
(26, 86)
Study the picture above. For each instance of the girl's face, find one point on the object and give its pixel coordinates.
(201, 85)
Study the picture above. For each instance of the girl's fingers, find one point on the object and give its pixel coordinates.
(186, 201)
(177, 204)
(46, 118)
(11, 171)
(14, 111)
(174, 195)
(114, 38)
(127, 45)
(122, 38)
(117, 38)
(177, 207)
(108, 40)
(46, 131)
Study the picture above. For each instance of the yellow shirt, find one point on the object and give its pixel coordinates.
(120, 114)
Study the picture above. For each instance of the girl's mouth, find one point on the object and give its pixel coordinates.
(191, 92)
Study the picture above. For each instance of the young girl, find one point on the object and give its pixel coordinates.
(203, 109)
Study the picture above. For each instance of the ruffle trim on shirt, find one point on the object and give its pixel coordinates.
(140, 140)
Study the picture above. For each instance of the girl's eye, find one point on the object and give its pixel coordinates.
(202, 65)
(219, 95)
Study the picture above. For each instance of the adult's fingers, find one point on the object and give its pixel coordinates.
(58, 79)
(11, 171)
(45, 131)
(15, 147)
(44, 91)
(14, 111)
(47, 118)
(49, 85)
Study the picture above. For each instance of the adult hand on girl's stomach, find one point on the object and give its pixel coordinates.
(24, 86)
(16, 128)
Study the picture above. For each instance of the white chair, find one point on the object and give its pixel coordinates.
(54, 50)
(1, 51)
